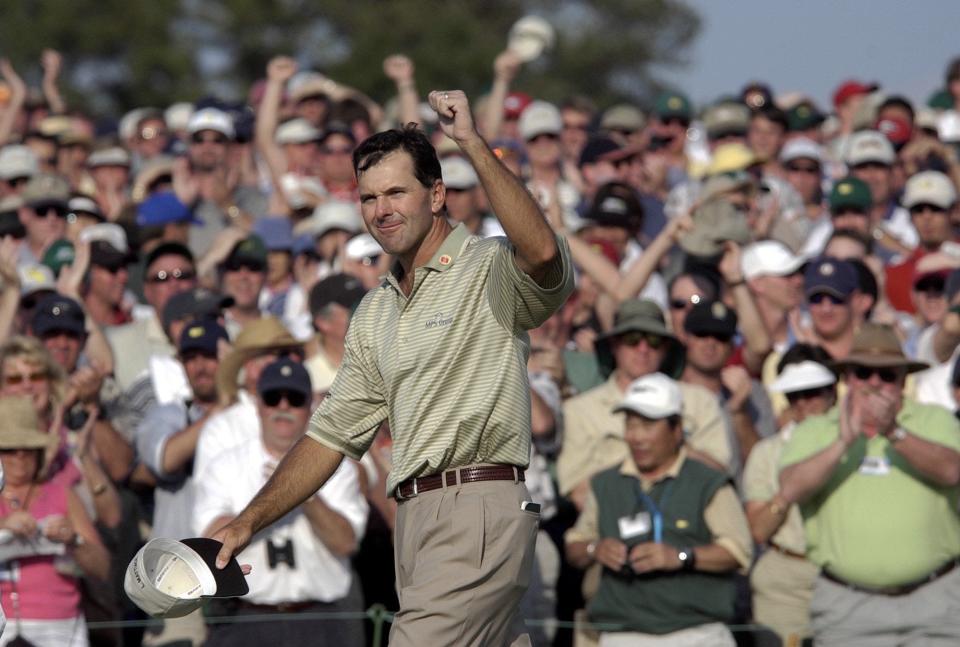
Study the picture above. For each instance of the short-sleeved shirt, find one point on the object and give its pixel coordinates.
(877, 522)
(724, 515)
(761, 481)
(447, 365)
(594, 435)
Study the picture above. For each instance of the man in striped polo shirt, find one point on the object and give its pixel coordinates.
(439, 349)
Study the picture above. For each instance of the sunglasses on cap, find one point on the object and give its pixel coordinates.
(208, 139)
(820, 297)
(177, 274)
(295, 399)
(652, 340)
(807, 394)
(888, 375)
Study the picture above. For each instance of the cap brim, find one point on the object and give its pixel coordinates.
(230, 579)
(652, 414)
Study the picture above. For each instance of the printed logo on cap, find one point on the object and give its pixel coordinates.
(675, 103)
(196, 331)
(826, 269)
(286, 371)
(845, 188)
(718, 310)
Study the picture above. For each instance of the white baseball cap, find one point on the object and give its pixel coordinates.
(870, 146)
(107, 232)
(362, 246)
(211, 119)
(929, 187)
(333, 214)
(35, 277)
(539, 118)
(769, 258)
(17, 161)
(169, 578)
(801, 148)
(529, 36)
(652, 396)
(296, 131)
(802, 376)
(458, 173)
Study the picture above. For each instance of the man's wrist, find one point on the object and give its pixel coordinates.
(896, 435)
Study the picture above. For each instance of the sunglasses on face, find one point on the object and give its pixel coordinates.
(923, 208)
(806, 394)
(820, 297)
(295, 399)
(46, 210)
(236, 266)
(932, 286)
(888, 375)
(208, 139)
(684, 304)
(173, 275)
(16, 182)
(634, 338)
(14, 379)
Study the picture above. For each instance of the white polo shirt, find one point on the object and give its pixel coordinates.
(231, 481)
(235, 425)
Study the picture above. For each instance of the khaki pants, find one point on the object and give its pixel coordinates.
(714, 634)
(928, 617)
(782, 589)
(464, 555)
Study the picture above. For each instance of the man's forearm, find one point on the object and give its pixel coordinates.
(801, 481)
(517, 211)
(938, 463)
(300, 474)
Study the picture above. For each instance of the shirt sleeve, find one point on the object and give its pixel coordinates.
(760, 472)
(342, 494)
(212, 494)
(158, 425)
(810, 437)
(348, 418)
(586, 528)
(518, 301)
(728, 524)
(705, 428)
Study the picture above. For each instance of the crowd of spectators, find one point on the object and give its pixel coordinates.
(743, 415)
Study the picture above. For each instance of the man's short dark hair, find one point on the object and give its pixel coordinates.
(953, 71)
(410, 140)
(801, 352)
(771, 113)
(898, 101)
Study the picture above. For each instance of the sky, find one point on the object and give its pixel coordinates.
(812, 45)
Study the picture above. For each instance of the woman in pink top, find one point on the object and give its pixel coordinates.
(46, 539)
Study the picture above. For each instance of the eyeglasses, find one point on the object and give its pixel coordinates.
(652, 340)
(44, 210)
(295, 399)
(683, 304)
(173, 275)
(923, 208)
(888, 375)
(14, 379)
(720, 337)
(820, 297)
(326, 150)
(208, 139)
(807, 394)
(236, 266)
(804, 168)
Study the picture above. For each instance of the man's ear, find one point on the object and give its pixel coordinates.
(438, 197)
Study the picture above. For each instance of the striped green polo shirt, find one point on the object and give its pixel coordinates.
(447, 366)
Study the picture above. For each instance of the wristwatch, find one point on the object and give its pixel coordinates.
(898, 434)
(688, 559)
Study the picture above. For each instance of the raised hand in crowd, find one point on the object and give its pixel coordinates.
(505, 68)
(18, 96)
(400, 69)
(52, 63)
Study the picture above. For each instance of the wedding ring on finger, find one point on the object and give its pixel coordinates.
(445, 96)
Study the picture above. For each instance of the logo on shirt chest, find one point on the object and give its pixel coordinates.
(439, 320)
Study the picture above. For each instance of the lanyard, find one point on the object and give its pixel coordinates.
(654, 509)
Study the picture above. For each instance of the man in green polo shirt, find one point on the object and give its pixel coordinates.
(878, 483)
(440, 349)
(667, 529)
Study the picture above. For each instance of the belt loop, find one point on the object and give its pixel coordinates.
(516, 474)
(457, 476)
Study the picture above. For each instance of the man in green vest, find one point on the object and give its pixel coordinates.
(668, 530)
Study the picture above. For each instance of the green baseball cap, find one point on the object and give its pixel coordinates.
(804, 116)
(672, 104)
(59, 253)
(850, 192)
(250, 251)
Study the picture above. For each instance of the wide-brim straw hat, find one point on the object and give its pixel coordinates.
(21, 427)
(257, 337)
(877, 345)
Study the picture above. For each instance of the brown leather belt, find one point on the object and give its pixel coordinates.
(903, 589)
(413, 487)
(283, 607)
(786, 551)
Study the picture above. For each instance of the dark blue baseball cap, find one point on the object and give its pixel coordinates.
(164, 208)
(285, 375)
(58, 313)
(830, 275)
(201, 335)
(276, 233)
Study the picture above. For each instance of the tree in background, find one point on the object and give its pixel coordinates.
(120, 54)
